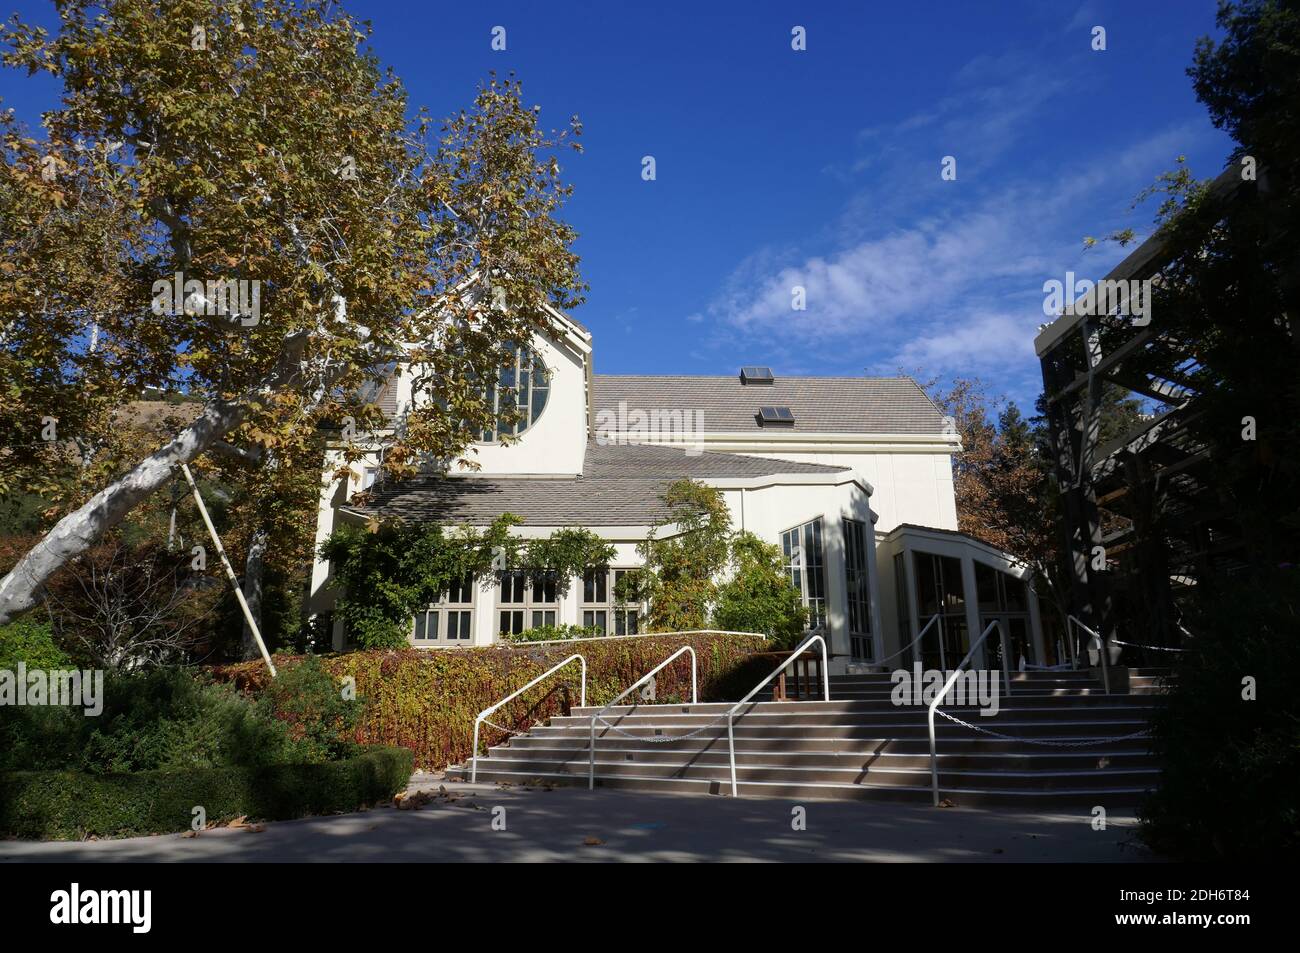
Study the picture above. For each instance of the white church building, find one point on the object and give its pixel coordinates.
(850, 476)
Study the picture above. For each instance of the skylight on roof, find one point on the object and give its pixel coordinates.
(754, 374)
(775, 415)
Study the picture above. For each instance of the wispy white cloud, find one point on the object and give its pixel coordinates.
(958, 292)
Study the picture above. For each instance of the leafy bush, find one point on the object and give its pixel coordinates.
(426, 700)
(550, 633)
(160, 720)
(676, 579)
(759, 596)
(31, 642)
(1229, 765)
(387, 575)
(307, 699)
(72, 805)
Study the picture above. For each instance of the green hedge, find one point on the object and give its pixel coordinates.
(67, 805)
(426, 699)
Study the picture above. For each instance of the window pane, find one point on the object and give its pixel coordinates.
(544, 589)
(1016, 594)
(986, 587)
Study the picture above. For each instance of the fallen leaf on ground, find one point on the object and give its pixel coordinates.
(592, 841)
(946, 803)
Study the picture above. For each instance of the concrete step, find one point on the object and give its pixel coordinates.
(858, 759)
(1119, 796)
(915, 728)
(850, 707)
(920, 744)
(798, 720)
(991, 779)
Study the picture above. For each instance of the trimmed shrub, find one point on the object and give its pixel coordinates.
(426, 699)
(553, 633)
(66, 805)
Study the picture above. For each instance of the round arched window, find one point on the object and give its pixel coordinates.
(524, 386)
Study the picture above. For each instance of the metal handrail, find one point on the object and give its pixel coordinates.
(482, 716)
(926, 628)
(1002, 637)
(1101, 650)
(695, 700)
(826, 692)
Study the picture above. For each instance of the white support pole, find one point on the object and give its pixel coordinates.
(230, 572)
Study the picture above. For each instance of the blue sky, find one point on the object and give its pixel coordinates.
(821, 168)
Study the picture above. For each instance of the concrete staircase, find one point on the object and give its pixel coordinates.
(860, 745)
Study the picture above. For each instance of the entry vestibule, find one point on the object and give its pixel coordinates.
(926, 572)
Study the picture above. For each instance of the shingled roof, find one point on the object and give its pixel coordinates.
(619, 486)
(849, 405)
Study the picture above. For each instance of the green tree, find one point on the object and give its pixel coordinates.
(678, 576)
(230, 142)
(758, 596)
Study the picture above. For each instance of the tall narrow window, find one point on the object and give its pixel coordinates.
(857, 587)
(449, 621)
(805, 563)
(601, 608)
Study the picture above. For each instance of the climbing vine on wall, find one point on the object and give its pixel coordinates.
(385, 573)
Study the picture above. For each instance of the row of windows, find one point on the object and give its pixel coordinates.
(525, 602)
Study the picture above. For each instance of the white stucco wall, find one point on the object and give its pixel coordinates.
(908, 487)
(556, 442)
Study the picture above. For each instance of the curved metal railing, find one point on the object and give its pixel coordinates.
(1103, 651)
(920, 635)
(482, 716)
(731, 712)
(947, 686)
(695, 700)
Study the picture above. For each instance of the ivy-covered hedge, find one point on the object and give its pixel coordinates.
(426, 699)
(64, 805)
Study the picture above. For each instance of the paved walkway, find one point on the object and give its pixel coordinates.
(573, 824)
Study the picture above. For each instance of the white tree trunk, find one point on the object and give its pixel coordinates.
(81, 529)
(253, 592)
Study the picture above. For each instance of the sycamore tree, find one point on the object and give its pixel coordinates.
(259, 160)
